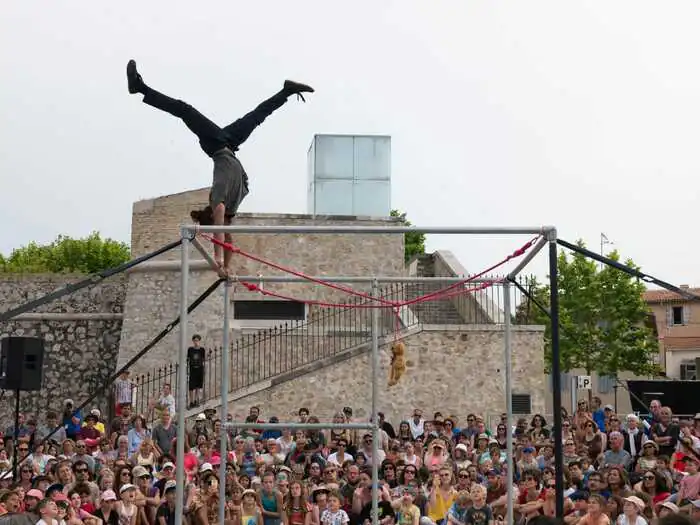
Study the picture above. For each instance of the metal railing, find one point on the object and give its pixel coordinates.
(326, 332)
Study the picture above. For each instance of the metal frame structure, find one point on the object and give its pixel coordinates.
(189, 233)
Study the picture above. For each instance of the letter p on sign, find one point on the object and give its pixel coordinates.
(585, 383)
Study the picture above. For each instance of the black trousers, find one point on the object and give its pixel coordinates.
(211, 137)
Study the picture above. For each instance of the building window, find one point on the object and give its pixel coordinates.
(677, 317)
(269, 310)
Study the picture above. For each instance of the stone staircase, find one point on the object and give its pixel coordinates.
(441, 311)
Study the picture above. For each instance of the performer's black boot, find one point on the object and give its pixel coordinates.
(135, 82)
(296, 88)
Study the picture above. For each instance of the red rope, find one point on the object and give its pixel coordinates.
(393, 304)
(433, 295)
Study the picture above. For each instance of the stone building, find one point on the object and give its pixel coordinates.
(314, 357)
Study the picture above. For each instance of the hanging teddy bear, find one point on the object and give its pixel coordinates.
(398, 362)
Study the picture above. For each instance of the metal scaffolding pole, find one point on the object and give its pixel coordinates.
(556, 375)
(223, 454)
(237, 229)
(375, 419)
(207, 257)
(527, 258)
(509, 399)
(203, 265)
(182, 381)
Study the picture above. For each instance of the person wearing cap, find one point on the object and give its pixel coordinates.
(106, 512)
(148, 496)
(126, 508)
(166, 511)
(196, 355)
(99, 425)
(632, 509)
(667, 508)
(250, 510)
(89, 429)
(199, 428)
(167, 473)
(32, 499)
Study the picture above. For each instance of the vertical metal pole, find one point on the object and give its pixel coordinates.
(182, 380)
(15, 437)
(574, 394)
(509, 400)
(375, 419)
(228, 297)
(556, 376)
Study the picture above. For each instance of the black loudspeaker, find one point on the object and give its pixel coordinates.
(21, 363)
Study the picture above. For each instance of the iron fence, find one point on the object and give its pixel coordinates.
(326, 332)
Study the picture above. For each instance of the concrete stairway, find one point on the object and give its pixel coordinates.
(441, 311)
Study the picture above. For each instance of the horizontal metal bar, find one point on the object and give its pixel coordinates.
(199, 265)
(169, 266)
(299, 426)
(339, 229)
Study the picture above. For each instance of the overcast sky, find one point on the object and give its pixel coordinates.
(575, 113)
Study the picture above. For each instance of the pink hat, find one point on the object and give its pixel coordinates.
(109, 495)
(35, 493)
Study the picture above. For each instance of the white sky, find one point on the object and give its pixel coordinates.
(580, 114)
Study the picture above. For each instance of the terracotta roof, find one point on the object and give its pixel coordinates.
(662, 296)
(681, 343)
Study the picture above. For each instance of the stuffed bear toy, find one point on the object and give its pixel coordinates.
(398, 362)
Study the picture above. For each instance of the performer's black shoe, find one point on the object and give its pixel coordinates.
(135, 82)
(296, 88)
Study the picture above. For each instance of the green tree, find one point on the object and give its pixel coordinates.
(91, 254)
(414, 242)
(603, 318)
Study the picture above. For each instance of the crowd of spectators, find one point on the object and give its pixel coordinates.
(437, 470)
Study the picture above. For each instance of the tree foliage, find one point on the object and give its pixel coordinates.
(91, 254)
(414, 243)
(604, 320)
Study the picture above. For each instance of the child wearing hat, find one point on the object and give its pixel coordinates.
(632, 512)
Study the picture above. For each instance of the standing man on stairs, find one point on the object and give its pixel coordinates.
(195, 371)
(230, 184)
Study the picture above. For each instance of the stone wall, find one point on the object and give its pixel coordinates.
(81, 353)
(453, 369)
(153, 297)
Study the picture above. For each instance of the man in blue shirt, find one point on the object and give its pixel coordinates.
(72, 420)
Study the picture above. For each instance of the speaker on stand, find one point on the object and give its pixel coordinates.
(21, 370)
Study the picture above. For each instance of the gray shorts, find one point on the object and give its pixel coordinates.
(230, 184)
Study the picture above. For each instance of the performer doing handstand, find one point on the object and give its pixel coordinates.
(230, 184)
